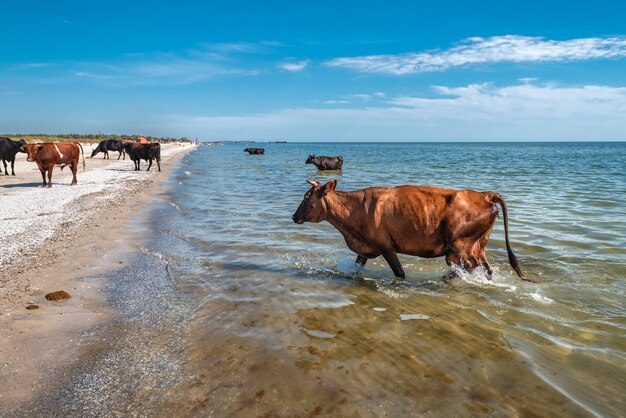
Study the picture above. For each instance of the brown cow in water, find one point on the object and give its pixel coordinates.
(424, 221)
(47, 155)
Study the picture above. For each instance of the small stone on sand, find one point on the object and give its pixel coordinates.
(58, 295)
(31, 307)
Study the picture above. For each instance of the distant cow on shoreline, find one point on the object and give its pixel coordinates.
(8, 150)
(109, 145)
(256, 151)
(424, 221)
(325, 163)
(47, 155)
(137, 152)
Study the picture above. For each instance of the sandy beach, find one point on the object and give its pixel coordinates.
(53, 237)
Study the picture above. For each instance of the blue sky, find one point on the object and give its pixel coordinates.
(316, 70)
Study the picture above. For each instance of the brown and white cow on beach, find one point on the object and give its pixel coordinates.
(49, 154)
(424, 221)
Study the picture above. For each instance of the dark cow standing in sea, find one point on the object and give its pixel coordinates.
(109, 145)
(325, 163)
(424, 221)
(137, 152)
(256, 151)
(8, 150)
(47, 155)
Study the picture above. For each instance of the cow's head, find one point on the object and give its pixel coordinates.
(313, 206)
(246, 150)
(310, 159)
(31, 151)
(21, 143)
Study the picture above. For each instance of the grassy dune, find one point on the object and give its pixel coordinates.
(88, 137)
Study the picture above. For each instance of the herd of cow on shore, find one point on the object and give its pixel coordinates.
(47, 155)
(422, 221)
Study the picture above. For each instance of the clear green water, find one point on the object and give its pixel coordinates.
(280, 326)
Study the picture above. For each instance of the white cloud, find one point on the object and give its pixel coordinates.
(159, 68)
(294, 67)
(496, 49)
(475, 112)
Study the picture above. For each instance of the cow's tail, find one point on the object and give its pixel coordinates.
(83, 153)
(496, 198)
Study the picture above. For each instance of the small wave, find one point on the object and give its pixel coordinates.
(537, 296)
(479, 277)
(407, 317)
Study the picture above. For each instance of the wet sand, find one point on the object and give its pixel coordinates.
(69, 246)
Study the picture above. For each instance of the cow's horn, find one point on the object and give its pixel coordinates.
(314, 183)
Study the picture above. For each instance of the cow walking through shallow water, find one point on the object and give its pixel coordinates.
(323, 162)
(255, 151)
(424, 221)
(49, 154)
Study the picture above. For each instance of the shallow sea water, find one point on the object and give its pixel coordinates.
(281, 326)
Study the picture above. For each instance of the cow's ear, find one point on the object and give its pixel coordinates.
(39, 146)
(329, 187)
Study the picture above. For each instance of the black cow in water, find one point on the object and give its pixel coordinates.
(137, 152)
(8, 150)
(110, 145)
(258, 151)
(325, 163)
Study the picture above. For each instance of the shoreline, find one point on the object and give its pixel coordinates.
(37, 343)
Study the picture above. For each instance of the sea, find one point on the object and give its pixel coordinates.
(273, 319)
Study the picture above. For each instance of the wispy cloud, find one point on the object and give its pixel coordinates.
(159, 68)
(294, 67)
(473, 112)
(496, 49)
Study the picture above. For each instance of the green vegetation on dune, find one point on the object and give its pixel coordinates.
(89, 137)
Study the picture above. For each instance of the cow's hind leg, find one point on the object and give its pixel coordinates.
(149, 164)
(461, 257)
(5, 167)
(74, 168)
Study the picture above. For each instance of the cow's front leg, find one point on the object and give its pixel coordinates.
(360, 260)
(391, 257)
(12, 167)
(50, 168)
(43, 176)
